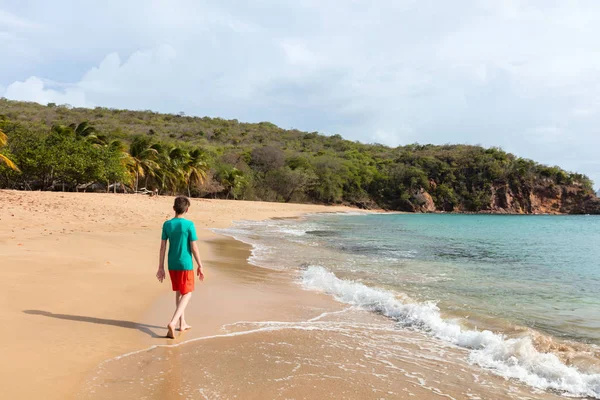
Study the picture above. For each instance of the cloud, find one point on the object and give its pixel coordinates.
(523, 75)
(35, 89)
(140, 71)
(112, 81)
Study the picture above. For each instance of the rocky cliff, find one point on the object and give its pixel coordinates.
(543, 198)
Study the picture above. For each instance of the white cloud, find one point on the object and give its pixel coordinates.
(470, 71)
(141, 71)
(34, 89)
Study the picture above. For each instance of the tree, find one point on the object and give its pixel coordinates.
(268, 158)
(211, 185)
(262, 162)
(62, 130)
(83, 130)
(233, 180)
(118, 162)
(332, 174)
(171, 160)
(287, 182)
(143, 158)
(4, 159)
(70, 161)
(195, 169)
(87, 132)
(28, 150)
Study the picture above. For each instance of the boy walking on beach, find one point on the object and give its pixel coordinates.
(182, 238)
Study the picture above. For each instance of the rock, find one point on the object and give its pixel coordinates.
(540, 198)
(422, 201)
(503, 201)
(590, 205)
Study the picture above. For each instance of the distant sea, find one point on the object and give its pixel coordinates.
(521, 293)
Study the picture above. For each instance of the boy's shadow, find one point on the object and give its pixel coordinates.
(114, 322)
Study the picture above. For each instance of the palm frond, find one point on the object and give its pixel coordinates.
(3, 138)
(8, 163)
(84, 129)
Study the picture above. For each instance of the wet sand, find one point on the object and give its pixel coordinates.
(269, 339)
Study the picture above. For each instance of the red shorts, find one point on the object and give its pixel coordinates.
(182, 281)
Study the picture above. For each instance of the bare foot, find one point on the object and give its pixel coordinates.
(170, 332)
(185, 327)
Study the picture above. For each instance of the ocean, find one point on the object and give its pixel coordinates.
(520, 293)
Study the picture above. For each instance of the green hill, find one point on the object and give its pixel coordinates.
(64, 148)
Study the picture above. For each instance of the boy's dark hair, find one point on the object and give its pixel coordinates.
(181, 205)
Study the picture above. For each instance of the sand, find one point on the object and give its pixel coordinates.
(85, 316)
(78, 281)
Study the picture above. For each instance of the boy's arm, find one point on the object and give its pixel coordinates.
(160, 275)
(196, 254)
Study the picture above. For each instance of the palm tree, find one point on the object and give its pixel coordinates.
(126, 160)
(195, 169)
(83, 130)
(232, 179)
(172, 160)
(143, 158)
(3, 159)
(63, 130)
(98, 140)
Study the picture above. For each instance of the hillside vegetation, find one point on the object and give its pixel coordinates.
(62, 148)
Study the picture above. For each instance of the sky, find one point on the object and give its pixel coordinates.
(520, 75)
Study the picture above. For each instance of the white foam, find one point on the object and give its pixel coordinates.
(511, 358)
(259, 252)
(314, 324)
(292, 231)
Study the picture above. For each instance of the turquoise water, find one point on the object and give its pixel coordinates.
(521, 293)
(538, 271)
(541, 272)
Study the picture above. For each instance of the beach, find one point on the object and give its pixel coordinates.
(85, 316)
(78, 281)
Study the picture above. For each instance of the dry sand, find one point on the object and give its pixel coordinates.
(78, 283)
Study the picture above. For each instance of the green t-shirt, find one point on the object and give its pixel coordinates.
(180, 232)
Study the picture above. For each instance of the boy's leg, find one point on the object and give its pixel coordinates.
(183, 302)
(170, 333)
(182, 324)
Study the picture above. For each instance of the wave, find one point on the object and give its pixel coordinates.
(515, 358)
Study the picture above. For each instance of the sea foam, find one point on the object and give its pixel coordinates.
(515, 358)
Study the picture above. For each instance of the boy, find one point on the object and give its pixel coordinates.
(182, 238)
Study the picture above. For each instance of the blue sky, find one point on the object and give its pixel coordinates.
(522, 75)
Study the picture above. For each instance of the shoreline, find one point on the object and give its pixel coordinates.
(249, 308)
(79, 279)
(286, 321)
(275, 332)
